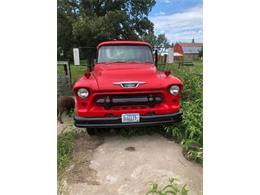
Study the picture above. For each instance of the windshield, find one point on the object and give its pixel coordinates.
(125, 53)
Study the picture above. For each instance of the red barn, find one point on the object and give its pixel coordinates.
(188, 50)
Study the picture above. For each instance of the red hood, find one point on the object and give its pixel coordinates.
(107, 74)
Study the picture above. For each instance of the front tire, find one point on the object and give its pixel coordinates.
(91, 131)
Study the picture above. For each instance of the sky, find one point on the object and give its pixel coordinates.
(180, 20)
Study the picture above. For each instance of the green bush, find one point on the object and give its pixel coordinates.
(190, 131)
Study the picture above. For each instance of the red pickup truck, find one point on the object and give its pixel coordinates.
(126, 89)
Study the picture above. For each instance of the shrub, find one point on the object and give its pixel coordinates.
(190, 131)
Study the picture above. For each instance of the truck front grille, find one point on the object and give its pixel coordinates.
(133, 100)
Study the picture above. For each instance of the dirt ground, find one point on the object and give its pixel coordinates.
(115, 165)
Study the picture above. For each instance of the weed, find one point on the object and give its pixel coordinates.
(189, 131)
(65, 148)
(170, 188)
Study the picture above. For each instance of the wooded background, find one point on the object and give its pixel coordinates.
(85, 23)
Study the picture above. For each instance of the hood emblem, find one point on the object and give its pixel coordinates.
(129, 84)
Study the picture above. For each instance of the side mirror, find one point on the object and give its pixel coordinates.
(156, 58)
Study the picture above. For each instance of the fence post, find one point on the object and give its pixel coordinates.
(66, 66)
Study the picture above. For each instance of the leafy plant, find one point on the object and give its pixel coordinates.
(170, 188)
(195, 155)
(189, 132)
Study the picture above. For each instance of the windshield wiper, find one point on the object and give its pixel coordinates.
(139, 62)
(114, 62)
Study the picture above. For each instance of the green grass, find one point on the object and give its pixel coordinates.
(76, 71)
(196, 69)
(189, 132)
(65, 148)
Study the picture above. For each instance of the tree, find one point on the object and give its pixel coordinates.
(66, 15)
(201, 52)
(159, 42)
(162, 41)
(88, 22)
(150, 38)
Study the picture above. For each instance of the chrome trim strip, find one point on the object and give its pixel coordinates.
(137, 83)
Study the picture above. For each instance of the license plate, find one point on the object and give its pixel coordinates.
(130, 118)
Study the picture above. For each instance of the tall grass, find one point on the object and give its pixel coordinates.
(76, 71)
(189, 132)
(65, 146)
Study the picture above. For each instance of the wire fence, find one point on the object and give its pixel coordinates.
(64, 85)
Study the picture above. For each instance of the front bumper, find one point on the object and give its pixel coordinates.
(109, 122)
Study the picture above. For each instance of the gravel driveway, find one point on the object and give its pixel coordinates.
(116, 165)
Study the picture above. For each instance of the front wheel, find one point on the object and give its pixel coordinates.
(91, 131)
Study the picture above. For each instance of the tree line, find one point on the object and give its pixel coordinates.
(85, 23)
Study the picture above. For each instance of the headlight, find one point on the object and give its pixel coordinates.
(83, 93)
(174, 89)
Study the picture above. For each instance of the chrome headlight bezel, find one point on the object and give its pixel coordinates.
(83, 93)
(174, 90)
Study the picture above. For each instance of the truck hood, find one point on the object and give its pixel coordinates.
(109, 75)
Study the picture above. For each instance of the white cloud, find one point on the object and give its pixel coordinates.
(167, 1)
(181, 26)
(161, 13)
